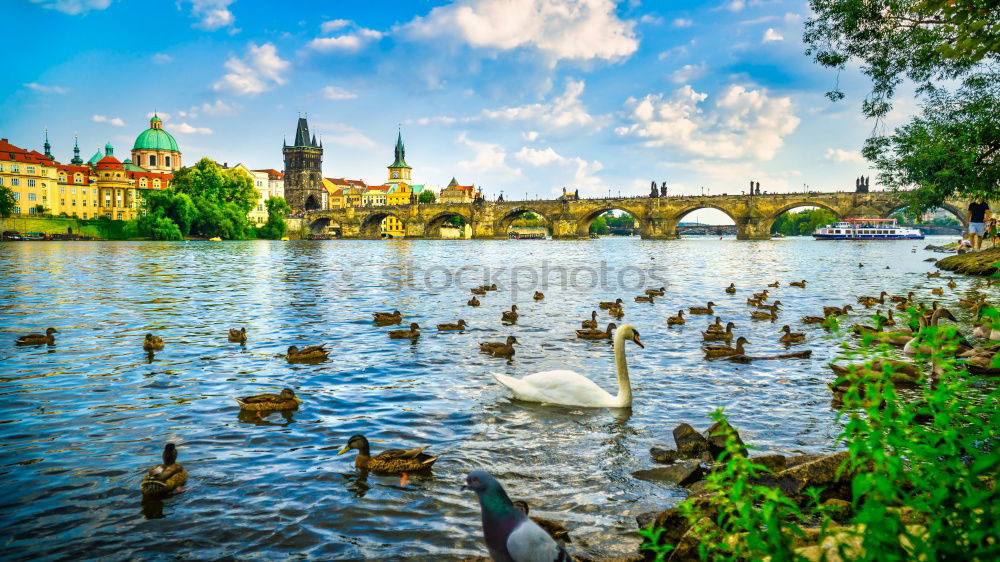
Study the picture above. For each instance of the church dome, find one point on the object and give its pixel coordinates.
(155, 138)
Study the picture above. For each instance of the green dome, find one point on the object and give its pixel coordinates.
(155, 139)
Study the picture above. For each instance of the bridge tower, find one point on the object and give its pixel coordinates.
(303, 170)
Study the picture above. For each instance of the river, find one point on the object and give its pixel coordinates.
(82, 420)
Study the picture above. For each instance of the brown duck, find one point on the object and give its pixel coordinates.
(731, 289)
(460, 325)
(479, 291)
(725, 336)
(607, 305)
(617, 312)
(676, 320)
(799, 284)
(238, 336)
(645, 298)
(409, 334)
(387, 318)
(716, 327)
(39, 339)
(499, 349)
(311, 354)
(164, 478)
(473, 301)
(775, 285)
(656, 292)
(590, 324)
(596, 334)
(286, 400)
(538, 296)
(702, 309)
(152, 343)
(510, 316)
(790, 336)
(393, 461)
(713, 351)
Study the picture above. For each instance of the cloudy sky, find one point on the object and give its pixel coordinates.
(524, 96)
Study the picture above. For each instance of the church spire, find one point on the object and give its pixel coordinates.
(400, 161)
(76, 161)
(302, 133)
(48, 147)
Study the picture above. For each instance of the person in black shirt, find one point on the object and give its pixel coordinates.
(977, 215)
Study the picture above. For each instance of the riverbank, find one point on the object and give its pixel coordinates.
(980, 263)
(88, 228)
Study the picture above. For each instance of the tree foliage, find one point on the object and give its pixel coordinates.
(802, 223)
(275, 227)
(6, 201)
(427, 196)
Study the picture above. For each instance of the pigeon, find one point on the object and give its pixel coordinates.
(510, 535)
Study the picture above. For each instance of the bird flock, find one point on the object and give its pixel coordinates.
(509, 532)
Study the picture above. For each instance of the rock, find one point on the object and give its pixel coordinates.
(690, 443)
(838, 510)
(931, 259)
(674, 524)
(791, 462)
(646, 519)
(664, 456)
(686, 549)
(822, 472)
(697, 488)
(972, 263)
(774, 463)
(679, 474)
(717, 441)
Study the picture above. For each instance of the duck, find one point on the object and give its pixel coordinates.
(510, 535)
(716, 327)
(152, 343)
(702, 309)
(869, 302)
(837, 311)
(899, 298)
(731, 289)
(568, 388)
(617, 312)
(725, 336)
(754, 302)
(238, 336)
(790, 336)
(886, 320)
(479, 291)
(761, 296)
(596, 334)
(310, 354)
(813, 319)
(503, 346)
(656, 292)
(607, 305)
(937, 291)
(164, 478)
(931, 275)
(392, 461)
(713, 351)
(799, 284)
(460, 325)
(774, 285)
(590, 324)
(773, 307)
(676, 320)
(645, 298)
(952, 284)
(983, 363)
(554, 529)
(387, 318)
(473, 301)
(39, 339)
(286, 400)
(538, 296)
(510, 316)
(761, 315)
(899, 368)
(409, 334)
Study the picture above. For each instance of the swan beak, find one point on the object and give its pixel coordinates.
(637, 341)
(344, 450)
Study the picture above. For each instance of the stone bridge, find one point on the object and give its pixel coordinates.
(569, 219)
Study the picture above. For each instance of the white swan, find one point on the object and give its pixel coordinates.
(569, 388)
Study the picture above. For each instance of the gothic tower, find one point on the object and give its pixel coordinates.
(303, 170)
(399, 171)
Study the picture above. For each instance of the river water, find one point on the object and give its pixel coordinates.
(81, 421)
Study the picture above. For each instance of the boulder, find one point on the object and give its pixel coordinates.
(646, 519)
(679, 474)
(791, 462)
(818, 473)
(674, 524)
(838, 510)
(697, 488)
(717, 441)
(774, 463)
(690, 443)
(686, 549)
(664, 456)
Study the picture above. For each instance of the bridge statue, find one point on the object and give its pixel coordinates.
(861, 184)
(652, 190)
(758, 188)
(663, 189)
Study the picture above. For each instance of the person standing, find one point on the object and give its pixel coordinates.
(977, 214)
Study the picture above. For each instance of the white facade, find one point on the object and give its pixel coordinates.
(258, 215)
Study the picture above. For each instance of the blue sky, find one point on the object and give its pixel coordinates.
(524, 96)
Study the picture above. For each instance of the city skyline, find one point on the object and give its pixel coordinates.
(605, 96)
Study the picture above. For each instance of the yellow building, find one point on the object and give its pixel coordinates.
(374, 196)
(392, 227)
(31, 176)
(258, 214)
(399, 194)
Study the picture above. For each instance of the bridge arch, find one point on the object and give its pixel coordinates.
(769, 221)
(432, 227)
(325, 225)
(371, 224)
(588, 218)
(958, 214)
(503, 224)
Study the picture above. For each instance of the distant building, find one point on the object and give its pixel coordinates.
(399, 171)
(258, 215)
(31, 176)
(303, 170)
(275, 182)
(456, 193)
(155, 149)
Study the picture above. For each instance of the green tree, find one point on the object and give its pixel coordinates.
(275, 227)
(208, 181)
(802, 223)
(600, 225)
(6, 201)
(427, 196)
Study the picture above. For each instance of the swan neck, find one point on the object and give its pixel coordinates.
(624, 385)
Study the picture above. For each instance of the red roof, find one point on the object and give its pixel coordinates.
(272, 174)
(109, 163)
(14, 153)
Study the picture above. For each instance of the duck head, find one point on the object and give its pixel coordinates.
(288, 394)
(511, 340)
(50, 331)
(169, 454)
(355, 442)
(414, 326)
(292, 350)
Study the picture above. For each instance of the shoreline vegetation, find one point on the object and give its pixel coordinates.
(982, 263)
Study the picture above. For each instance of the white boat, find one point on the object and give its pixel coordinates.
(867, 229)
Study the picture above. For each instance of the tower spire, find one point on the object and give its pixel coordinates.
(48, 147)
(76, 161)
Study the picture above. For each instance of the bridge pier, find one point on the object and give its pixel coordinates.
(658, 229)
(753, 229)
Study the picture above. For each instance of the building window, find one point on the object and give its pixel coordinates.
(17, 196)
(15, 168)
(152, 159)
(17, 210)
(78, 179)
(15, 181)
(85, 214)
(31, 197)
(74, 203)
(120, 215)
(84, 202)
(62, 202)
(1, 181)
(73, 190)
(31, 183)
(166, 161)
(31, 169)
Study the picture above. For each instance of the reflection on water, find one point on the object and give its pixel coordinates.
(83, 419)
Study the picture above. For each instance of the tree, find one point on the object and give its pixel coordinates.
(206, 180)
(275, 227)
(6, 201)
(427, 196)
(802, 223)
(600, 225)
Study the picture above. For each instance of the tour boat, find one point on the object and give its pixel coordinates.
(867, 229)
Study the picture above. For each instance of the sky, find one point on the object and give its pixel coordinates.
(520, 96)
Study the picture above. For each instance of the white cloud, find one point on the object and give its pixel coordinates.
(212, 14)
(742, 123)
(771, 35)
(336, 93)
(561, 29)
(348, 42)
(162, 58)
(334, 25)
(486, 157)
(582, 170)
(73, 7)
(218, 107)
(46, 89)
(682, 22)
(530, 136)
(688, 73)
(564, 111)
(735, 5)
(259, 71)
(650, 19)
(116, 121)
(186, 129)
(840, 155)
